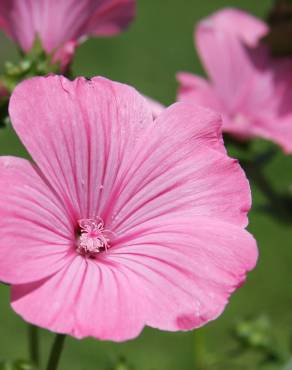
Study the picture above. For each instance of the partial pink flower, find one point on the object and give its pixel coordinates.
(246, 85)
(62, 24)
(122, 221)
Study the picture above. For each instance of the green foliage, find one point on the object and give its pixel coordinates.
(255, 333)
(34, 63)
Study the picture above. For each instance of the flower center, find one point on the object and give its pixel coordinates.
(93, 238)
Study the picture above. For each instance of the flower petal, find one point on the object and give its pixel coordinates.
(17, 20)
(175, 169)
(155, 106)
(192, 264)
(85, 299)
(221, 40)
(79, 134)
(174, 275)
(58, 22)
(240, 23)
(196, 90)
(36, 235)
(65, 54)
(275, 129)
(111, 17)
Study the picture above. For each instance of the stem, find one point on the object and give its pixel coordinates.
(56, 352)
(199, 350)
(33, 344)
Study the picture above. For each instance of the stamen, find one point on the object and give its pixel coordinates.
(94, 238)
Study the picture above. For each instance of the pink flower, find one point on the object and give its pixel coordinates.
(247, 86)
(123, 221)
(62, 24)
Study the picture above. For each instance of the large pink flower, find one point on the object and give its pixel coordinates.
(123, 221)
(250, 88)
(61, 24)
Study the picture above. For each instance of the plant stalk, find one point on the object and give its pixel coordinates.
(56, 352)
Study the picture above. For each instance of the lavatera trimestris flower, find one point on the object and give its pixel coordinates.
(249, 87)
(122, 220)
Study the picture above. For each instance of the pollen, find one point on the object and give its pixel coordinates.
(93, 237)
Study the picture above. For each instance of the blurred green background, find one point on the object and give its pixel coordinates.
(157, 45)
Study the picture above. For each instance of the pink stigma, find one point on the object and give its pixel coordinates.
(93, 237)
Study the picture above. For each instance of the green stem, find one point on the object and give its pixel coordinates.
(33, 344)
(199, 350)
(56, 352)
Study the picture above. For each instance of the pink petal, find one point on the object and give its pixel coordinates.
(36, 237)
(176, 274)
(175, 169)
(85, 299)
(186, 122)
(111, 17)
(240, 23)
(58, 22)
(65, 54)
(196, 90)
(277, 130)
(220, 42)
(155, 106)
(265, 105)
(17, 20)
(192, 264)
(87, 127)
